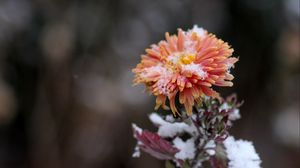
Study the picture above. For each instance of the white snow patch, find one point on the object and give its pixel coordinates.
(229, 66)
(195, 69)
(137, 152)
(199, 30)
(189, 47)
(234, 115)
(210, 147)
(187, 149)
(210, 144)
(174, 58)
(224, 106)
(162, 85)
(241, 153)
(136, 128)
(163, 74)
(170, 118)
(167, 129)
(154, 70)
(211, 152)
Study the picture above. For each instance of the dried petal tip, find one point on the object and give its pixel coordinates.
(187, 64)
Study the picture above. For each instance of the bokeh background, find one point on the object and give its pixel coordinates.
(66, 96)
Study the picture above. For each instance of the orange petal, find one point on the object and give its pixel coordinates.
(209, 92)
(172, 103)
(180, 41)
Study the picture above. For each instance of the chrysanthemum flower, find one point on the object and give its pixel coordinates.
(188, 65)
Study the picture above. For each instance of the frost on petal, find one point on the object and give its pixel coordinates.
(186, 149)
(162, 85)
(167, 129)
(174, 58)
(153, 71)
(241, 153)
(194, 69)
(199, 30)
(154, 145)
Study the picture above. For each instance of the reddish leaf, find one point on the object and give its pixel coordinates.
(155, 145)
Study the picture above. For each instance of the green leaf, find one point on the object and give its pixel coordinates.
(186, 165)
(169, 164)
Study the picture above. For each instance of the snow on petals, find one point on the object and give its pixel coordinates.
(199, 30)
(194, 69)
(187, 64)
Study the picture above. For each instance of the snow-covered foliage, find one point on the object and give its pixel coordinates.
(202, 137)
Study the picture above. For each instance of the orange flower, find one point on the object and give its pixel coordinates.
(188, 65)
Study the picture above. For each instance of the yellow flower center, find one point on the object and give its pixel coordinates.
(186, 58)
(179, 59)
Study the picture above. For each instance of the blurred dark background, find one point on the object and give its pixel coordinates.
(66, 96)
